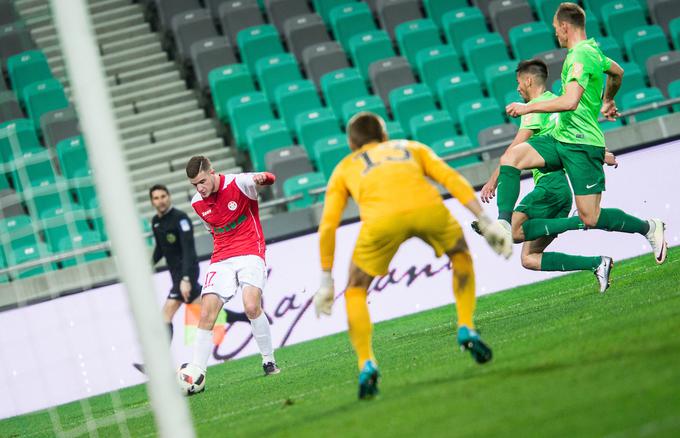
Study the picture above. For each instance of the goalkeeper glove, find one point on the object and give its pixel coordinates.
(497, 236)
(324, 297)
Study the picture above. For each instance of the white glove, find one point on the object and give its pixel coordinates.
(324, 297)
(497, 236)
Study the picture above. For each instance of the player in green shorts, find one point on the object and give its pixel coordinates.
(551, 197)
(577, 142)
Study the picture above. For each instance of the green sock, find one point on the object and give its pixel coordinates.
(556, 261)
(508, 191)
(535, 228)
(613, 219)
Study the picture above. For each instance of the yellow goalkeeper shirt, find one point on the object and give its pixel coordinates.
(386, 179)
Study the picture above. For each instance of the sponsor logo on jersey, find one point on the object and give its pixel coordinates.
(205, 213)
(230, 226)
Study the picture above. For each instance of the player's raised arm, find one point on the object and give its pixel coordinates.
(264, 178)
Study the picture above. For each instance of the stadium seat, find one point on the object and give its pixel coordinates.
(17, 231)
(340, 86)
(461, 24)
(228, 82)
(303, 31)
(526, 40)
(475, 115)
(370, 103)
(4, 278)
(279, 11)
(593, 28)
(634, 78)
(324, 7)
(59, 125)
(499, 79)
(431, 127)
(410, 101)
(82, 240)
(663, 69)
(394, 130)
(275, 70)
(478, 50)
(257, 42)
(234, 16)
(206, 56)
(18, 137)
(391, 13)
(302, 184)
(311, 126)
(554, 59)
(190, 27)
(43, 97)
(295, 98)
(436, 9)
(641, 97)
(285, 163)
(368, 48)
(27, 254)
(674, 30)
(10, 204)
(4, 182)
(501, 135)
(328, 152)
(663, 12)
(413, 36)
(8, 14)
(388, 74)
(33, 170)
(167, 9)
(72, 156)
(455, 145)
(456, 89)
(610, 48)
(9, 107)
(26, 68)
(350, 20)
(63, 222)
(545, 9)
(323, 58)
(83, 189)
(643, 42)
(483, 6)
(437, 62)
(620, 15)
(265, 137)
(674, 93)
(506, 14)
(246, 110)
(14, 39)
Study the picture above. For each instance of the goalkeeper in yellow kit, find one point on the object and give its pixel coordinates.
(388, 181)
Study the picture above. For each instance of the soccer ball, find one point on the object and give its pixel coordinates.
(191, 379)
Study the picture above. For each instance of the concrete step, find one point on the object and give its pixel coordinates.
(37, 20)
(151, 104)
(213, 147)
(116, 34)
(136, 64)
(43, 31)
(141, 73)
(157, 114)
(119, 23)
(138, 95)
(139, 52)
(143, 86)
(26, 4)
(125, 11)
(128, 43)
(167, 136)
(98, 6)
(156, 125)
(169, 166)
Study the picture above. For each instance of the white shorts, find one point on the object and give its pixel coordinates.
(224, 278)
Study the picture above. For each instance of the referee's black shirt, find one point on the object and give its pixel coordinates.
(174, 235)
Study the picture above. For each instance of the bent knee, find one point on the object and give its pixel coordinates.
(589, 220)
(252, 310)
(531, 262)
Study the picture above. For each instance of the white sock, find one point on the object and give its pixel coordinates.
(263, 337)
(203, 346)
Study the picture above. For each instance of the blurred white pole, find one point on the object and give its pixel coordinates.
(95, 111)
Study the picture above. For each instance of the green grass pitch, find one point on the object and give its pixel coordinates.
(568, 362)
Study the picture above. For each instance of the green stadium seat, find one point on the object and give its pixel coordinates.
(265, 137)
(369, 47)
(328, 152)
(4, 278)
(294, 98)
(596, 6)
(641, 97)
(435, 63)
(275, 70)
(593, 28)
(314, 125)
(545, 9)
(27, 254)
(43, 97)
(257, 42)
(674, 92)
(370, 103)
(634, 78)
(510, 97)
(246, 110)
(455, 145)
(63, 222)
(33, 170)
(324, 7)
(500, 79)
(610, 126)
(72, 156)
(414, 36)
(17, 231)
(436, 9)
(227, 82)
(340, 86)
(478, 50)
(83, 188)
(456, 89)
(394, 130)
(302, 184)
(4, 182)
(350, 20)
(26, 68)
(475, 115)
(610, 48)
(410, 101)
(526, 40)
(557, 87)
(643, 42)
(620, 15)
(432, 126)
(674, 31)
(18, 137)
(82, 239)
(461, 24)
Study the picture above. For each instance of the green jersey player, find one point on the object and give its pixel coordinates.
(576, 144)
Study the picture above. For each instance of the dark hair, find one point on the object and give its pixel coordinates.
(535, 67)
(196, 165)
(571, 13)
(366, 128)
(157, 187)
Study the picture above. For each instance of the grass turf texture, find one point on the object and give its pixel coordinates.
(568, 361)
